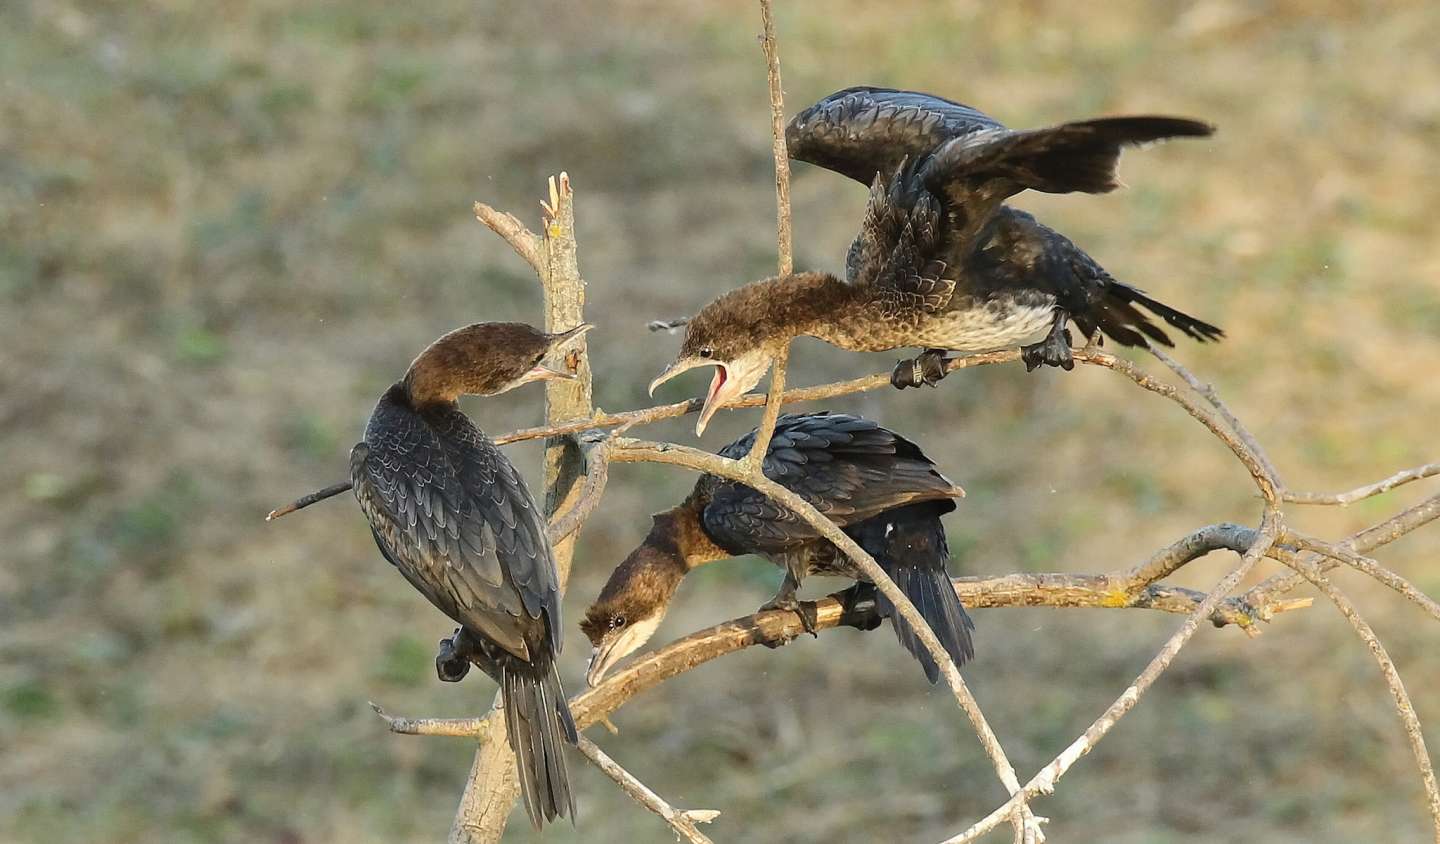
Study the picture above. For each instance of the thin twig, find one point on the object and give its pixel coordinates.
(1413, 731)
(754, 461)
(476, 728)
(527, 244)
(1362, 563)
(1254, 462)
(1344, 499)
(682, 822)
(1263, 594)
(1208, 392)
(1044, 781)
(1196, 544)
(649, 415)
(310, 498)
(777, 135)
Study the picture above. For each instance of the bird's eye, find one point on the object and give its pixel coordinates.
(707, 352)
(617, 621)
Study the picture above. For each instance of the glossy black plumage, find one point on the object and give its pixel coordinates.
(876, 485)
(937, 240)
(451, 513)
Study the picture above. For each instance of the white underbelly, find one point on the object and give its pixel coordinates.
(988, 328)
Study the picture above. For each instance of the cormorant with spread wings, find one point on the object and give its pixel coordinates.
(940, 262)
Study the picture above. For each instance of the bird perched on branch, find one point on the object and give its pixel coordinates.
(454, 516)
(940, 262)
(875, 484)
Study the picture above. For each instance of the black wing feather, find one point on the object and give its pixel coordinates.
(847, 467)
(452, 514)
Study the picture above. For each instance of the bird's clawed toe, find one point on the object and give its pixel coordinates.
(1054, 350)
(804, 609)
(928, 367)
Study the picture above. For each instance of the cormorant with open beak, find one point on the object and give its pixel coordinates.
(940, 262)
(454, 516)
(875, 484)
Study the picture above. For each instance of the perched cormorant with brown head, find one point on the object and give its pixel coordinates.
(940, 262)
(877, 485)
(454, 516)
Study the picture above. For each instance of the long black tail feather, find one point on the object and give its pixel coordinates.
(537, 718)
(1118, 317)
(909, 543)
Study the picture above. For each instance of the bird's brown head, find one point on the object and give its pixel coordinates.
(634, 600)
(485, 359)
(742, 333)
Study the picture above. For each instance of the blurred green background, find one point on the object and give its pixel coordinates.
(225, 228)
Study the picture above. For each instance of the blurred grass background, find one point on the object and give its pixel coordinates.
(225, 228)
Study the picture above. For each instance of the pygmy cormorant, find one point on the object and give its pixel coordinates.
(940, 262)
(454, 516)
(875, 484)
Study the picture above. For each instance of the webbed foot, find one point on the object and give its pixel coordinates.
(451, 663)
(804, 609)
(1054, 350)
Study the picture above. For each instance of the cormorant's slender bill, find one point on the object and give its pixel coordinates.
(940, 262)
(454, 516)
(878, 486)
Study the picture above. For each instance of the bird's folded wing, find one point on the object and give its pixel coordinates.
(450, 523)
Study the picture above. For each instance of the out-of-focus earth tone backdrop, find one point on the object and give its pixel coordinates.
(225, 228)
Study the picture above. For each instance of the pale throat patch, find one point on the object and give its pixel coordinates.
(637, 634)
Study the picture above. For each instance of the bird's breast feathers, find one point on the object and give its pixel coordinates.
(984, 326)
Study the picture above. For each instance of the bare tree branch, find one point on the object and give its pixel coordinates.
(1207, 392)
(1264, 593)
(778, 627)
(1254, 462)
(1413, 731)
(1344, 499)
(1167, 560)
(1044, 781)
(682, 822)
(755, 460)
(777, 135)
(649, 415)
(526, 243)
(1360, 562)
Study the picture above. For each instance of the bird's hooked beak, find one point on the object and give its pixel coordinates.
(618, 644)
(541, 372)
(715, 397)
(730, 381)
(601, 659)
(674, 369)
